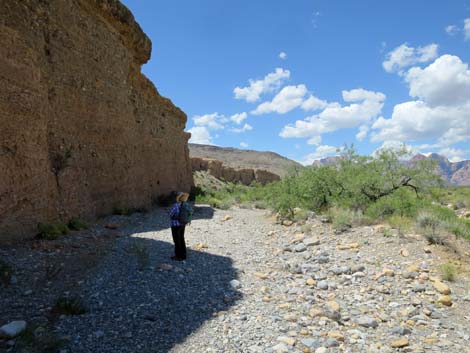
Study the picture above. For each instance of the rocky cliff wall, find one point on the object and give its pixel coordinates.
(81, 129)
(244, 176)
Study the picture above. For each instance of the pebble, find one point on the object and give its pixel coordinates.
(367, 321)
(235, 284)
(12, 329)
(403, 342)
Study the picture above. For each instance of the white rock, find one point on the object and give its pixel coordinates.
(235, 284)
(12, 329)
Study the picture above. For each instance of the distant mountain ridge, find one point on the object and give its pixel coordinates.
(453, 173)
(238, 158)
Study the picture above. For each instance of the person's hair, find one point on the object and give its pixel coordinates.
(182, 197)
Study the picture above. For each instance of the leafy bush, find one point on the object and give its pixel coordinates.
(77, 224)
(51, 231)
(342, 219)
(449, 272)
(6, 271)
(402, 224)
(69, 306)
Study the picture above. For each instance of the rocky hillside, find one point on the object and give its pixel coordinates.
(82, 130)
(453, 173)
(245, 159)
(245, 176)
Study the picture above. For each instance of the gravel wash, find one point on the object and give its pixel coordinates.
(250, 285)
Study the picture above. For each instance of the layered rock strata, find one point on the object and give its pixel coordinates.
(82, 130)
(244, 176)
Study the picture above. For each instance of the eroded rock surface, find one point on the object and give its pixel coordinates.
(82, 130)
(220, 171)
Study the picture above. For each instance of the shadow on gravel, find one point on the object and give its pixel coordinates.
(203, 212)
(153, 309)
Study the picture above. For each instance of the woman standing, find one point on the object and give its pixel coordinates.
(180, 215)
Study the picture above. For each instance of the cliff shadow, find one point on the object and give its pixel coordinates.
(140, 300)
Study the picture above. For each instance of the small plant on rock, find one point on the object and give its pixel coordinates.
(430, 224)
(142, 253)
(342, 219)
(52, 231)
(77, 224)
(6, 271)
(122, 211)
(449, 272)
(387, 233)
(69, 306)
(306, 228)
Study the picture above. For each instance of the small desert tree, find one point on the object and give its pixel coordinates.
(365, 180)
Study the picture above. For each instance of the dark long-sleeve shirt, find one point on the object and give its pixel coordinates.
(174, 213)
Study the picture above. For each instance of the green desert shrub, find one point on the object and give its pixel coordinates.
(77, 224)
(306, 228)
(6, 271)
(142, 254)
(400, 223)
(51, 231)
(69, 306)
(341, 219)
(448, 272)
(122, 211)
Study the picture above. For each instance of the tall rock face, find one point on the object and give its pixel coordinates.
(82, 130)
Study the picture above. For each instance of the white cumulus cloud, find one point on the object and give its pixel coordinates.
(452, 30)
(246, 127)
(320, 152)
(200, 135)
(313, 103)
(441, 110)
(454, 154)
(270, 83)
(243, 144)
(282, 55)
(444, 82)
(365, 105)
(405, 56)
(466, 28)
(362, 134)
(214, 121)
(290, 97)
(238, 118)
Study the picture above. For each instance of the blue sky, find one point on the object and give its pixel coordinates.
(372, 73)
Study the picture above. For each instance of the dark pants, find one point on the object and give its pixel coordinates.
(178, 239)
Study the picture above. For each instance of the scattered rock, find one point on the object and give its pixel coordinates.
(12, 329)
(287, 340)
(312, 241)
(367, 321)
(300, 247)
(227, 218)
(235, 284)
(403, 342)
(445, 300)
(441, 287)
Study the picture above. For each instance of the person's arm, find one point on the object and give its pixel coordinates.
(174, 210)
